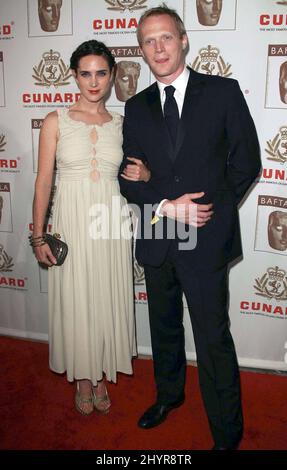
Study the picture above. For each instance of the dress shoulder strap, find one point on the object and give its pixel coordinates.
(116, 116)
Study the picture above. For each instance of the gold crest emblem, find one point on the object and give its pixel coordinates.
(5, 260)
(277, 147)
(139, 275)
(210, 62)
(273, 284)
(2, 142)
(122, 5)
(51, 70)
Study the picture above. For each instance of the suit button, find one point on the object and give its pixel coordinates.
(177, 179)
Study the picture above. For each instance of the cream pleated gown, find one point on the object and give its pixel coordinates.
(91, 309)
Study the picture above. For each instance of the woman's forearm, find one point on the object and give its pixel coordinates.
(40, 206)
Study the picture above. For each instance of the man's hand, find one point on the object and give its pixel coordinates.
(136, 171)
(185, 210)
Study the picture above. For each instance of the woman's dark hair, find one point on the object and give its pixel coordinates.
(91, 47)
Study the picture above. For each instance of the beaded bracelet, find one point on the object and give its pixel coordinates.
(37, 241)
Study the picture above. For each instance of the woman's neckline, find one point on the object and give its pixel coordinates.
(89, 124)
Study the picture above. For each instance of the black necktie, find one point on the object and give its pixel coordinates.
(170, 111)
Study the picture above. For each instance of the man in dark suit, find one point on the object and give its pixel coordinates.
(200, 144)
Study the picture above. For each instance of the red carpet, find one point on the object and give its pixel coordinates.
(37, 412)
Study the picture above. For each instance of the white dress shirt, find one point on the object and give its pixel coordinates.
(180, 84)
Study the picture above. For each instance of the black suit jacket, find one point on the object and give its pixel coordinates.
(216, 152)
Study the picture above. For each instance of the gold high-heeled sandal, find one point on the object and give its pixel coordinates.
(102, 399)
(80, 401)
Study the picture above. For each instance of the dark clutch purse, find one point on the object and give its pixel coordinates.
(57, 246)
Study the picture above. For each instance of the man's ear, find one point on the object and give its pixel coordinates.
(142, 52)
(184, 42)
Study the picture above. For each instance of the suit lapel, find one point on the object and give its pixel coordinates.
(193, 91)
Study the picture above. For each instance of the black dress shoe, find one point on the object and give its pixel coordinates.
(156, 414)
(225, 448)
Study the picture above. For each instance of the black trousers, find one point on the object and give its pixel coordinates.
(206, 294)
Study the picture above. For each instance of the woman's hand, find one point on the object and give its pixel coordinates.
(136, 171)
(44, 255)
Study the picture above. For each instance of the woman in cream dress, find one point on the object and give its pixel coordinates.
(91, 317)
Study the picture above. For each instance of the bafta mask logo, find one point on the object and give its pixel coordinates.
(49, 14)
(1, 207)
(277, 230)
(5, 261)
(283, 82)
(277, 147)
(51, 70)
(126, 80)
(122, 5)
(273, 284)
(2, 142)
(210, 62)
(208, 11)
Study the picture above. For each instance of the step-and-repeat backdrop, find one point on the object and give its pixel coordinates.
(242, 39)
